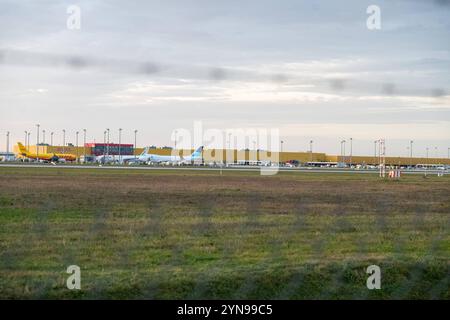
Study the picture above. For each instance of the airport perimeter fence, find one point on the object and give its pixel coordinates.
(231, 244)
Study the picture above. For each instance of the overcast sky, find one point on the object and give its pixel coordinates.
(310, 68)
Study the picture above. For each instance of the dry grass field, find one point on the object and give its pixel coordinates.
(184, 234)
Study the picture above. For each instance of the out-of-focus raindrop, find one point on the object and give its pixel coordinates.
(280, 78)
(442, 2)
(338, 84)
(438, 92)
(149, 68)
(388, 89)
(217, 74)
(77, 62)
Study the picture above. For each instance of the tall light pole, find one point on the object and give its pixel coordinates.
(51, 138)
(28, 148)
(7, 145)
(76, 144)
(175, 139)
(343, 151)
(227, 153)
(281, 150)
(351, 150)
(120, 142)
(135, 140)
(104, 144)
(311, 150)
(107, 146)
(43, 136)
(37, 143)
(411, 152)
(436, 154)
(382, 157)
(84, 145)
(64, 140)
(26, 136)
(375, 152)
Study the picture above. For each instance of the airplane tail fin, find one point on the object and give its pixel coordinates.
(22, 148)
(197, 153)
(145, 151)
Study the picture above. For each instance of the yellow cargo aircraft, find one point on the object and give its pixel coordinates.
(52, 157)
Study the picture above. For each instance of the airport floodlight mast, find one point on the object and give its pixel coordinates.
(311, 150)
(135, 140)
(43, 136)
(84, 145)
(107, 142)
(37, 143)
(281, 151)
(379, 152)
(64, 140)
(104, 144)
(351, 150)
(120, 141)
(76, 144)
(28, 141)
(51, 138)
(175, 133)
(26, 136)
(7, 144)
(343, 152)
(382, 157)
(411, 152)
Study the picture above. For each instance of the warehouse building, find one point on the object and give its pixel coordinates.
(236, 156)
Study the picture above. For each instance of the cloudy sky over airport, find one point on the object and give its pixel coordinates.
(310, 68)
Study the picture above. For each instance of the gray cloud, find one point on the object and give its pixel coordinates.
(158, 66)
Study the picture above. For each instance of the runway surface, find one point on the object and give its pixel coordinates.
(243, 168)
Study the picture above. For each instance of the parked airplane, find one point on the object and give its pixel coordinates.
(146, 157)
(51, 157)
(195, 156)
(142, 158)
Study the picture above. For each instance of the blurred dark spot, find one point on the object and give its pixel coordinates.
(438, 92)
(77, 62)
(337, 84)
(442, 2)
(149, 68)
(217, 74)
(280, 78)
(388, 89)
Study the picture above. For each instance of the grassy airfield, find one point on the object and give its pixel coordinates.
(204, 234)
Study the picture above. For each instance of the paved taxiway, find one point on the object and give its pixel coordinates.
(243, 168)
